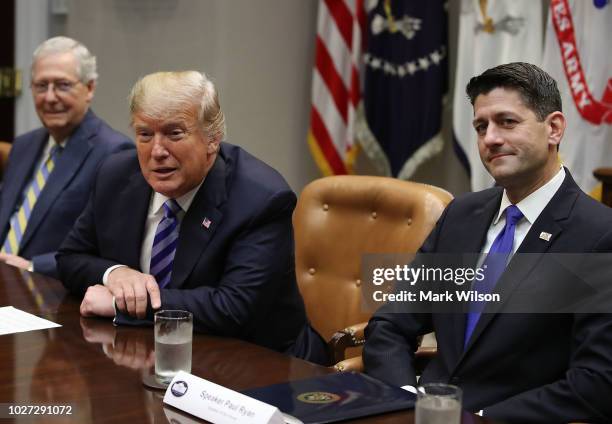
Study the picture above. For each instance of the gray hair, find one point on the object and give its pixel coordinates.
(163, 94)
(86, 62)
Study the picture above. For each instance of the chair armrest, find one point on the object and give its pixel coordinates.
(421, 357)
(350, 364)
(352, 336)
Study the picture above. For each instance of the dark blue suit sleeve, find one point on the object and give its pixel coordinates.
(45, 264)
(78, 262)
(391, 335)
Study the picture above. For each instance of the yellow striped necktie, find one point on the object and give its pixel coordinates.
(19, 221)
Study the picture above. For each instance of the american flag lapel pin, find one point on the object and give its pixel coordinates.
(545, 236)
(206, 223)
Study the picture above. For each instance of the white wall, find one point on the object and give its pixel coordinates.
(31, 29)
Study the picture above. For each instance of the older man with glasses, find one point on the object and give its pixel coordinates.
(51, 169)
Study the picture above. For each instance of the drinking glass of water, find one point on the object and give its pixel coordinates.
(173, 336)
(438, 404)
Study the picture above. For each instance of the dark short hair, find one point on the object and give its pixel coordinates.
(537, 89)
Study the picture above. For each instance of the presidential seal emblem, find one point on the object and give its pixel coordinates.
(179, 388)
(318, 397)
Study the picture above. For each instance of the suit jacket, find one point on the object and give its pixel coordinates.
(517, 367)
(235, 275)
(66, 192)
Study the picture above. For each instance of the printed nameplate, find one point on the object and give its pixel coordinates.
(218, 404)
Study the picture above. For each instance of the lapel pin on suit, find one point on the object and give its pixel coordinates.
(206, 223)
(545, 236)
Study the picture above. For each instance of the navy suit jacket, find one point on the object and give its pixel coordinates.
(236, 275)
(524, 368)
(66, 192)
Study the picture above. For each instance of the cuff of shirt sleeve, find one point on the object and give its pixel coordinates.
(108, 271)
(409, 388)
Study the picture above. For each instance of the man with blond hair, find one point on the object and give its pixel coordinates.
(192, 223)
(51, 169)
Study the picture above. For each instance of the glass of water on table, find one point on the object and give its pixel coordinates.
(173, 337)
(438, 404)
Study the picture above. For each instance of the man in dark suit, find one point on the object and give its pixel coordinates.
(190, 223)
(516, 367)
(51, 169)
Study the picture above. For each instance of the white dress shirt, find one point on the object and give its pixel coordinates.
(531, 207)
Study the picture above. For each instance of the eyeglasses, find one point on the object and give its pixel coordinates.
(61, 86)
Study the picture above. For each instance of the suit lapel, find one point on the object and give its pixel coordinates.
(519, 268)
(13, 193)
(134, 199)
(475, 226)
(69, 162)
(200, 222)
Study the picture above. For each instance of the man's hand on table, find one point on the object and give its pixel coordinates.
(15, 260)
(130, 288)
(98, 302)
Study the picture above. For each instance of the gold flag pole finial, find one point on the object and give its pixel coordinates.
(487, 21)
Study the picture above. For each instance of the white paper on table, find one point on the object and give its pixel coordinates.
(13, 320)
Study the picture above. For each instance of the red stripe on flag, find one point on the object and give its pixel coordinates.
(343, 19)
(332, 79)
(362, 19)
(325, 143)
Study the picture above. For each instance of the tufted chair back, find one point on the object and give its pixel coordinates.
(337, 219)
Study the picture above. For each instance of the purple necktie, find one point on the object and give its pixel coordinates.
(164, 244)
(494, 266)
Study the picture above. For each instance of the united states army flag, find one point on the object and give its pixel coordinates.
(577, 55)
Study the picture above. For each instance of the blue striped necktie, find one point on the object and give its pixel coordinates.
(494, 265)
(164, 243)
(19, 221)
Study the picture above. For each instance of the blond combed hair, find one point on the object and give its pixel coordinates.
(162, 94)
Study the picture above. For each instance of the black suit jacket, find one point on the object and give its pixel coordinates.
(523, 368)
(235, 275)
(66, 192)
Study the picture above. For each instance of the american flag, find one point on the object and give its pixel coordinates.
(335, 85)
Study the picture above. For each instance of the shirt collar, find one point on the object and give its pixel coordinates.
(532, 205)
(184, 201)
(52, 143)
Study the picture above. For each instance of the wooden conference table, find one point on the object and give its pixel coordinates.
(97, 368)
